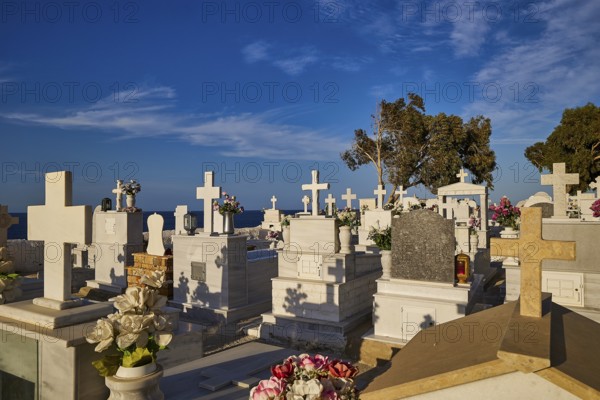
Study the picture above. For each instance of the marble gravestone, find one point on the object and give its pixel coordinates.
(423, 247)
(156, 246)
(559, 180)
(180, 211)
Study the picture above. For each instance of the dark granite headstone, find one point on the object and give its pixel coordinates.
(547, 209)
(423, 246)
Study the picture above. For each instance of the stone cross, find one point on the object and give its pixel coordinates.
(118, 191)
(532, 249)
(273, 201)
(380, 193)
(58, 223)
(330, 200)
(400, 192)
(462, 175)
(559, 179)
(349, 196)
(208, 193)
(180, 211)
(594, 185)
(305, 201)
(315, 186)
(6, 221)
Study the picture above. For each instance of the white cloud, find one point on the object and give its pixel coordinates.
(257, 51)
(261, 135)
(296, 64)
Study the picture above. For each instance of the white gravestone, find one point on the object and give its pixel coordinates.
(315, 187)
(585, 201)
(156, 246)
(118, 191)
(208, 193)
(59, 224)
(559, 179)
(6, 221)
(380, 193)
(305, 201)
(349, 196)
(330, 200)
(180, 211)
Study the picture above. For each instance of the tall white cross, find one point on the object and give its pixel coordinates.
(349, 196)
(400, 192)
(315, 186)
(273, 201)
(559, 179)
(6, 221)
(330, 200)
(58, 223)
(380, 193)
(594, 185)
(208, 193)
(118, 191)
(462, 175)
(305, 201)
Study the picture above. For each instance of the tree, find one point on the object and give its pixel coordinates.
(576, 142)
(425, 149)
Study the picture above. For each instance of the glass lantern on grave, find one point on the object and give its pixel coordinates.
(190, 223)
(462, 267)
(106, 204)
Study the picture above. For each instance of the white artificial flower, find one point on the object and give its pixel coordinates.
(156, 279)
(133, 299)
(163, 338)
(155, 301)
(134, 329)
(103, 334)
(307, 390)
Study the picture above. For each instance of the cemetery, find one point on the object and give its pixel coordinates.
(439, 291)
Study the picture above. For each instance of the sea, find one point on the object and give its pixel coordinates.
(247, 219)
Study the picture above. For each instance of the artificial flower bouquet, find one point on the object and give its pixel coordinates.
(137, 331)
(230, 204)
(474, 224)
(308, 377)
(381, 237)
(347, 217)
(131, 188)
(506, 214)
(596, 208)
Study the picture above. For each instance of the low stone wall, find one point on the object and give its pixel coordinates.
(27, 255)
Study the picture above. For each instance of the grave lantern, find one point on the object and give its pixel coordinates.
(461, 267)
(190, 223)
(106, 204)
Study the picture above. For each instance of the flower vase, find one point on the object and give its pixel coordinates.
(345, 239)
(386, 263)
(139, 383)
(509, 233)
(285, 231)
(130, 200)
(228, 226)
(473, 242)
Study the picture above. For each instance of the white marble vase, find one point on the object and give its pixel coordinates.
(130, 200)
(345, 239)
(386, 263)
(285, 231)
(137, 383)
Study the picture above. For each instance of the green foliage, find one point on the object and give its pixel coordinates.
(108, 365)
(138, 357)
(381, 237)
(576, 142)
(416, 148)
(12, 276)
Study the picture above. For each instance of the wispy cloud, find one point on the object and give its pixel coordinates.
(296, 64)
(256, 51)
(260, 135)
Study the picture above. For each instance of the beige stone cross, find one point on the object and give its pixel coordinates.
(531, 249)
(58, 223)
(559, 179)
(462, 175)
(6, 221)
(330, 200)
(349, 196)
(118, 191)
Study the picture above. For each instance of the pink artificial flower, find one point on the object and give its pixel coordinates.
(272, 389)
(283, 371)
(316, 363)
(342, 369)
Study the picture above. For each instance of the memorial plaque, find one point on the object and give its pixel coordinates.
(199, 271)
(423, 246)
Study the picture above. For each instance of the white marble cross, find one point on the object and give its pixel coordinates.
(315, 187)
(349, 196)
(330, 200)
(594, 185)
(180, 211)
(118, 191)
(6, 221)
(380, 193)
(58, 223)
(400, 192)
(208, 193)
(462, 175)
(305, 201)
(559, 179)
(273, 201)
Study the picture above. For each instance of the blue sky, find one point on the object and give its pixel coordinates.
(264, 91)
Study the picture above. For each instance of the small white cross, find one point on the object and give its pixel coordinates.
(119, 192)
(559, 179)
(462, 175)
(400, 192)
(380, 193)
(315, 186)
(305, 201)
(349, 196)
(330, 200)
(273, 201)
(208, 193)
